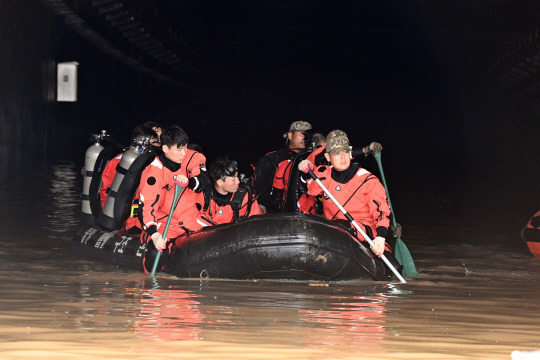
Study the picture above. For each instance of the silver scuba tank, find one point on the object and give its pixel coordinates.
(87, 171)
(107, 218)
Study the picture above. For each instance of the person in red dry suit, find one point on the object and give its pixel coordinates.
(157, 190)
(264, 170)
(227, 200)
(138, 135)
(355, 188)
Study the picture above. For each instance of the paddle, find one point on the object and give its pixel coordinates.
(401, 252)
(352, 221)
(177, 191)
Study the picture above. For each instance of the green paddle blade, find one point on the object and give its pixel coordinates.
(404, 257)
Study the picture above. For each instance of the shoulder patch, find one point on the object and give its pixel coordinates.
(362, 172)
(151, 180)
(157, 163)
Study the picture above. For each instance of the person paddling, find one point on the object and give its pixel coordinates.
(157, 190)
(359, 192)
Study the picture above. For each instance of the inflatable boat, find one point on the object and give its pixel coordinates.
(530, 233)
(271, 246)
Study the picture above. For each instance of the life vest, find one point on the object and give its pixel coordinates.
(531, 234)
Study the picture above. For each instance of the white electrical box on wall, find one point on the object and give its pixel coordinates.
(66, 84)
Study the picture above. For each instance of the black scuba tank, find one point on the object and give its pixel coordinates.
(91, 155)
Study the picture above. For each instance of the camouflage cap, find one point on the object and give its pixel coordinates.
(299, 126)
(337, 141)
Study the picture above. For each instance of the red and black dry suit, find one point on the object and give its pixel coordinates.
(107, 179)
(157, 194)
(359, 192)
(264, 171)
(224, 209)
(280, 186)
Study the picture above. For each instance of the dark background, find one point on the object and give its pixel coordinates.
(448, 87)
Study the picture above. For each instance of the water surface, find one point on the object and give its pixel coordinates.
(477, 296)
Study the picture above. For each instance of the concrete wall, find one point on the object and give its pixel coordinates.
(25, 57)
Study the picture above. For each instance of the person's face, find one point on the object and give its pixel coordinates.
(340, 161)
(228, 184)
(296, 140)
(175, 153)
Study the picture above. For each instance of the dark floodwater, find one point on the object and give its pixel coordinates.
(477, 297)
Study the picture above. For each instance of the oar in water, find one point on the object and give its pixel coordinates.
(401, 252)
(177, 191)
(352, 221)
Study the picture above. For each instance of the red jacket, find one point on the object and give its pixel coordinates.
(157, 194)
(107, 178)
(363, 196)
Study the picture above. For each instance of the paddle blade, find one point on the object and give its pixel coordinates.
(404, 257)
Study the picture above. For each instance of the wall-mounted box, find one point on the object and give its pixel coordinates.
(66, 83)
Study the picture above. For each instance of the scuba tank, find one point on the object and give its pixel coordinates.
(91, 155)
(107, 218)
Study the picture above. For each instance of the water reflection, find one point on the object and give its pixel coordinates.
(240, 312)
(169, 315)
(64, 200)
(355, 321)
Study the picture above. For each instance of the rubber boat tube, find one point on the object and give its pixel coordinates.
(276, 246)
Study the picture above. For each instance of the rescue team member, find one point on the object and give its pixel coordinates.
(355, 188)
(157, 189)
(265, 168)
(280, 187)
(286, 178)
(306, 204)
(154, 126)
(227, 200)
(139, 134)
(317, 158)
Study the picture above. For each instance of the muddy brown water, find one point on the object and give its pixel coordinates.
(476, 297)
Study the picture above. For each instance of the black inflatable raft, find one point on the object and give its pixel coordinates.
(277, 246)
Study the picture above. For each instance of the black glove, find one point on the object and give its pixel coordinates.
(199, 183)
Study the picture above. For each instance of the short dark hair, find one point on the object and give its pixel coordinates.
(196, 147)
(152, 124)
(222, 167)
(318, 137)
(174, 135)
(142, 130)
